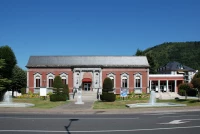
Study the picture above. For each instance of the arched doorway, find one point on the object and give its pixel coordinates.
(87, 81)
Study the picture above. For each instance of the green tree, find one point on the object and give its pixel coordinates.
(150, 58)
(196, 84)
(3, 81)
(18, 79)
(66, 90)
(58, 85)
(8, 55)
(197, 75)
(107, 85)
(107, 94)
(185, 87)
(152, 69)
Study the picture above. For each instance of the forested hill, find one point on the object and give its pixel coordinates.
(187, 53)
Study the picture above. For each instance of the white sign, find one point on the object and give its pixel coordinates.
(43, 91)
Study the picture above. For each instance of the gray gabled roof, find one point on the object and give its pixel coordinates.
(175, 66)
(87, 61)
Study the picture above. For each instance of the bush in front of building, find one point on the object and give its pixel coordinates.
(59, 90)
(58, 85)
(107, 91)
(66, 90)
(58, 97)
(107, 85)
(110, 97)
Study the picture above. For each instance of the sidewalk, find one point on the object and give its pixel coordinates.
(86, 108)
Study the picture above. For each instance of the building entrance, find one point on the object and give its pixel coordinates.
(86, 86)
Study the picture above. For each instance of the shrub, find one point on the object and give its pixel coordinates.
(66, 91)
(23, 90)
(57, 85)
(192, 92)
(108, 97)
(184, 87)
(58, 97)
(107, 85)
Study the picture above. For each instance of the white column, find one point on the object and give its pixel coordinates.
(175, 86)
(93, 79)
(27, 87)
(100, 82)
(167, 86)
(158, 85)
(150, 86)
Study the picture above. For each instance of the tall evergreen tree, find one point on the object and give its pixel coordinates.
(3, 81)
(18, 79)
(139, 53)
(8, 55)
(58, 85)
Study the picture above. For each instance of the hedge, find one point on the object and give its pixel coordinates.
(108, 97)
(58, 97)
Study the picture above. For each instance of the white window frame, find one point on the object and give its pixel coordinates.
(125, 75)
(112, 75)
(50, 76)
(64, 76)
(37, 76)
(135, 77)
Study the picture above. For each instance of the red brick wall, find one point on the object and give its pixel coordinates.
(118, 72)
(44, 72)
(131, 73)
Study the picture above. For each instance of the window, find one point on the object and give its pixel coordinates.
(112, 77)
(64, 81)
(124, 80)
(64, 78)
(50, 78)
(138, 80)
(37, 80)
(137, 83)
(50, 82)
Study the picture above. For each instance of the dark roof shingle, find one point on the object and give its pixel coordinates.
(87, 61)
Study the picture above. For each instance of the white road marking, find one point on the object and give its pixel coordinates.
(68, 118)
(175, 122)
(176, 116)
(100, 131)
(160, 113)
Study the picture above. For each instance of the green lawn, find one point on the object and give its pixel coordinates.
(188, 102)
(40, 103)
(121, 104)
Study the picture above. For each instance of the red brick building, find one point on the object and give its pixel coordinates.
(88, 72)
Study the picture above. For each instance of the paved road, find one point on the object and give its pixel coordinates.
(146, 123)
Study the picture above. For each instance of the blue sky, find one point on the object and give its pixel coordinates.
(95, 27)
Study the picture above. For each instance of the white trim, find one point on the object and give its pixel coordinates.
(127, 76)
(165, 75)
(37, 76)
(140, 76)
(114, 77)
(49, 76)
(64, 76)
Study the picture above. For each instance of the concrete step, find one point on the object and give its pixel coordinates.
(87, 96)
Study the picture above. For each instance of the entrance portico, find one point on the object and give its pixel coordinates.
(165, 83)
(89, 79)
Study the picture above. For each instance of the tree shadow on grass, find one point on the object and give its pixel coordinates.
(189, 101)
(67, 127)
(194, 101)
